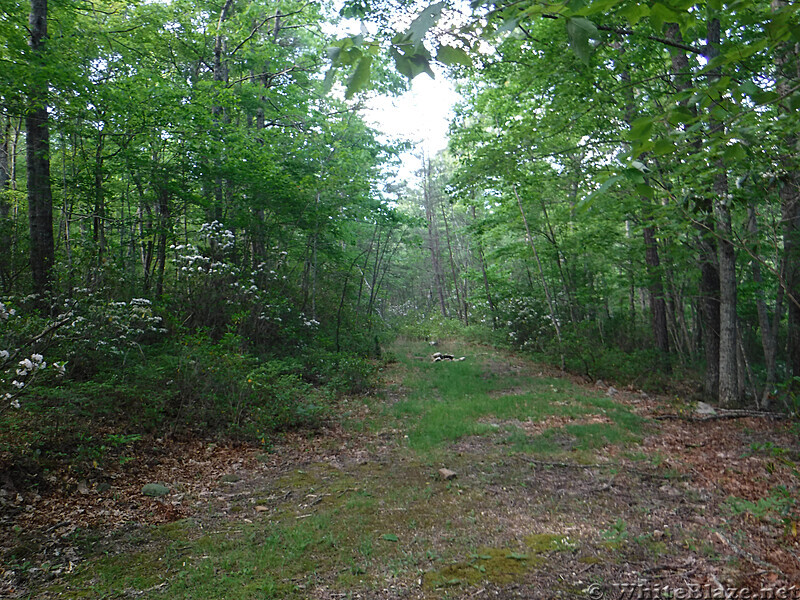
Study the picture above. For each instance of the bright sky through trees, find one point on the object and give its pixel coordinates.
(421, 115)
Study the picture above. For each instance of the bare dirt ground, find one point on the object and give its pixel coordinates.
(699, 507)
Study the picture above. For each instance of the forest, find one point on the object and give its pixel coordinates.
(205, 240)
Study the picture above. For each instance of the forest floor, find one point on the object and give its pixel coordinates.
(556, 488)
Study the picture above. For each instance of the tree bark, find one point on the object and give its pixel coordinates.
(787, 61)
(658, 306)
(769, 341)
(40, 195)
(729, 391)
(433, 236)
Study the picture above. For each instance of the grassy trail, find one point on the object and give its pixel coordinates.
(560, 490)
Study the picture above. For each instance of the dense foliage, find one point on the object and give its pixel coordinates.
(624, 196)
(198, 232)
(187, 256)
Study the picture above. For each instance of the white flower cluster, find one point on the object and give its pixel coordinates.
(217, 235)
(114, 326)
(26, 371)
(6, 313)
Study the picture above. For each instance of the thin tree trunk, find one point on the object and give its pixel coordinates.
(729, 392)
(433, 237)
(99, 218)
(220, 73)
(658, 306)
(550, 303)
(461, 315)
(655, 286)
(769, 341)
(486, 286)
(162, 195)
(5, 173)
(565, 285)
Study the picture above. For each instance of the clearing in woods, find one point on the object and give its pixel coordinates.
(560, 489)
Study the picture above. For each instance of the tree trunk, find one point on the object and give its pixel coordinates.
(655, 287)
(787, 61)
(550, 303)
(220, 72)
(658, 307)
(433, 237)
(5, 173)
(769, 342)
(709, 306)
(40, 195)
(162, 196)
(729, 392)
(461, 315)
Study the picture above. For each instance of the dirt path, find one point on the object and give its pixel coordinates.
(560, 490)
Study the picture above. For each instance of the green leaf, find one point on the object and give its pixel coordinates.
(412, 65)
(660, 14)
(389, 537)
(640, 129)
(645, 191)
(663, 147)
(424, 21)
(453, 56)
(507, 25)
(680, 115)
(634, 174)
(734, 152)
(586, 202)
(579, 31)
(360, 77)
(634, 13)
(330, 77)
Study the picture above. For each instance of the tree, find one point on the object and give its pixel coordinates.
(40, 196)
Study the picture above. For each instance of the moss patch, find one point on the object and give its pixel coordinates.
(540, 543)
(493, 565)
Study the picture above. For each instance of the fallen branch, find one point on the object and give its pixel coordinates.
(753, 559)
(722, 415)
(621, 467)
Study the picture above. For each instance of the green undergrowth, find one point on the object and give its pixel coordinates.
(314, 526)
(355, 527)
(489, 392)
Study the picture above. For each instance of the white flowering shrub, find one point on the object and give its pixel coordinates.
(98, 331)
(216, 294)
(527, 323)
(86, 331)
(19, 367)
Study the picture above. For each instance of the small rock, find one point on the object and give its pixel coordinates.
(600, 383)
(704, 409)
(83, 488)
(447, 474)
(261, 508)
(611, 391)
(155, 490)
(658, 534)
